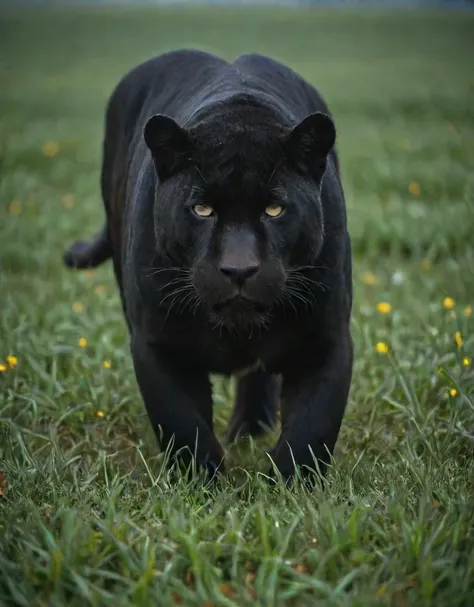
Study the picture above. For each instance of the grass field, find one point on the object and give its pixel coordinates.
(88, 514)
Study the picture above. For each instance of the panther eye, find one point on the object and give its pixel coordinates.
(274, 210)
(203, 210)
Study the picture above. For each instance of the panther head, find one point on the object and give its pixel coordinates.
(238, 206)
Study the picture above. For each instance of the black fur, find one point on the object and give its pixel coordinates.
(239, 288)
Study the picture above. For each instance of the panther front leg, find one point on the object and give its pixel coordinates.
(178, 400)
(314, 398)
(256, 405)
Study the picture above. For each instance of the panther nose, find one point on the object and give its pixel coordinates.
(239, 274)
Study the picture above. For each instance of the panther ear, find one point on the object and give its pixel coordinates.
(310, 141)
(170, 144)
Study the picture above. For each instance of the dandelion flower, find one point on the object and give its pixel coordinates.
(82, 342)
(384, 307)
(369, 278)
(453, 392)
(3, 368)
(458, 338)
(448, 303)
(12, 361)
(414, 188)
(100, 414)
(467, 311)
(107, 364)
(50, 148)
(381, 347)
(466, 361)
(15, 207)
(77, 306)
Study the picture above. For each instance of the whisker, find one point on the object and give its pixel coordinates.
(307, 282)
(153, 271)
(295, 293)
(283, 299)
(310, 267)
(176, 292)
(176, 295)
(186, 301)
(197, 303)
(171, 283)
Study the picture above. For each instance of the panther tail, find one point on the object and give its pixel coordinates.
(81, 255)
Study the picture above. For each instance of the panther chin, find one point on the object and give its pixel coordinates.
(240, 315)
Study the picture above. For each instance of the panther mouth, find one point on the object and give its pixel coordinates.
(239, 303)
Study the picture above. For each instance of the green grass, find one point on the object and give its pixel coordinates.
(89, 515)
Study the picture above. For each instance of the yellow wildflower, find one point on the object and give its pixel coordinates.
(50, 148)
(89, 273)
(384, 307)
(3, 368)
(15, 207)
(404, 144)
(458, 338)
(68, 201)
(12, 360)
(426, 264)
(107, 364)
(466, 361)
(100, 414)
(82, 342)
(369, 278)
(453, 392)
(381, 347)
(448, 303)
(414, 188)
(77, 306)
(100, 289)
(467, 311)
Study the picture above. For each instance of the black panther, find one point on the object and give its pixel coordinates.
(226, 224)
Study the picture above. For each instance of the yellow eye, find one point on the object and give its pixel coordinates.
(203, 210)
(273, 210)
